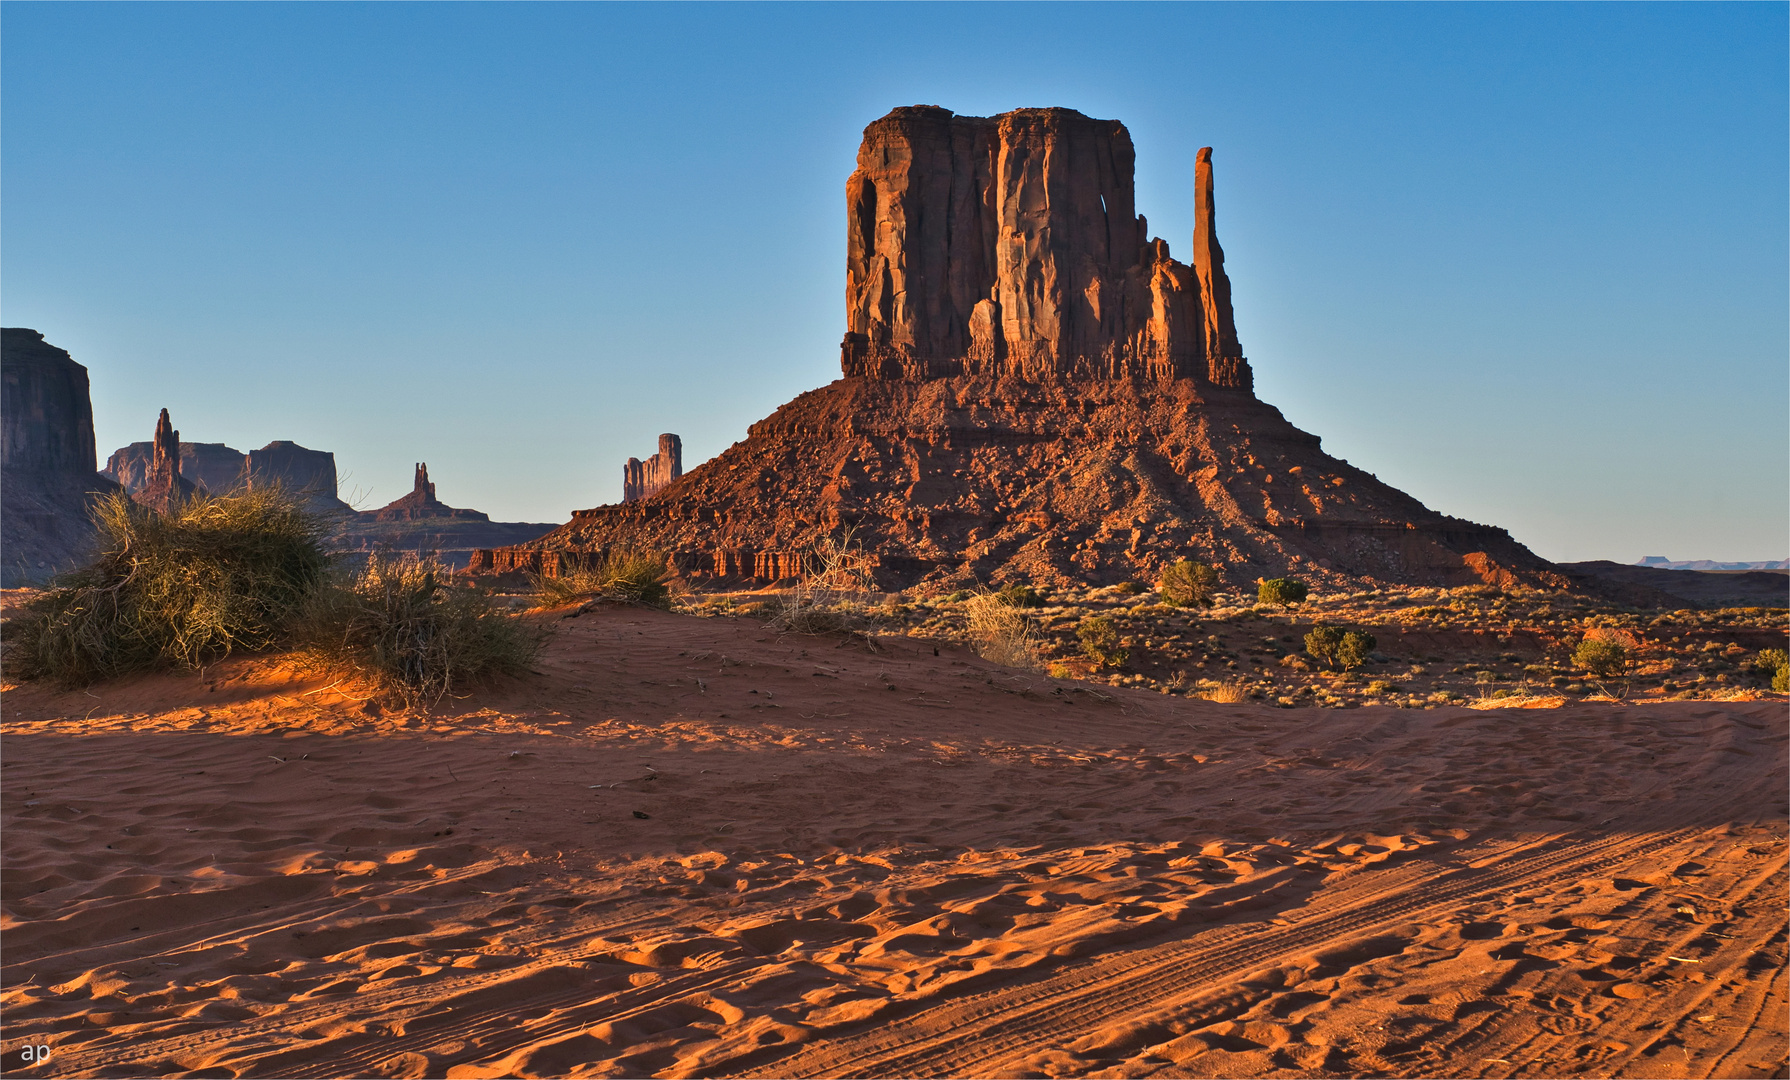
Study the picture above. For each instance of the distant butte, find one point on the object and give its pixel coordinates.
(421, 503)
(1033, 389)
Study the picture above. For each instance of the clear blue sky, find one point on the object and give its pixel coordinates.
(1527, 262)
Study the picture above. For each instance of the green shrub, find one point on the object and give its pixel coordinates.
(1128, 588)
(1780, 680)
(1770, 661)
(1021, 596)
(1601, 657)
(1334, 647)
(402, 625)
(1189, 584)
(1099, 636)
(219, 575)
(625, 576)
(1283, 591)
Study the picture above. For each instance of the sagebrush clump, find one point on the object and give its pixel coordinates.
(401, 624)
(1602, 657)
(1342, 649)
(625, 576)
(1282, 591)
(221, 574)
(1189, 584)
(1001, 632)
(1099, 636)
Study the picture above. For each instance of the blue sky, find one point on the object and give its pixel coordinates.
(1527, 262)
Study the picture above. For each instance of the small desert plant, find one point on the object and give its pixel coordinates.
(1283, 591)
(1334, 647)
(1770, 661)
(832, 596)
(1601, 656)
(1099, 636)
(1780, 680)
(1060, 670)
(1189, 584)
(1001, 632)
(625, 576)
(219, 575)
(1128, 588)
(1227, 693)
(1021, 596)
(402, 625)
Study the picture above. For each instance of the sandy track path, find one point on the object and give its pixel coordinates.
(880, 864)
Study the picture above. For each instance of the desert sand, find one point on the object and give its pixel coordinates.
(693, 847)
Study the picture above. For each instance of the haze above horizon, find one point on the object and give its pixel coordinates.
(1527, 263)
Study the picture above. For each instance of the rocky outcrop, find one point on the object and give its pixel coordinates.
(47, 459)
(421, 504)
(643, 478)
(1034, 391)
(1010, 246)
(212, 467)
(309, 474)
(164, 489)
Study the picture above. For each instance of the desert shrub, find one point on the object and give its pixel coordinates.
(1099, 636)
(400, 624)
(1227, 693)
(1189, 584)
(1780, 680)
(1001, 632)
(1770, 661)
(1060, 670)
(1128, 588)
(959, 596)
(1337, 648)
(1021, 596)
(219, 575)
(1283, 591)
(625, 576)
(832, 596)
(1601, 656)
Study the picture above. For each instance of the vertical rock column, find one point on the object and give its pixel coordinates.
(1224, 357)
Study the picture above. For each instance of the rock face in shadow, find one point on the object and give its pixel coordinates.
(1034, 390)
(1010, 246)
(421, 503)
(212, 467)
(309, 474)
(48, 474)
(643, 478)
(1647, 586)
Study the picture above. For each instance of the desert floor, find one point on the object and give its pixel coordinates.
(696, 848)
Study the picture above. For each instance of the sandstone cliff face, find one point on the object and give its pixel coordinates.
(310, 474)
(212, 467)
(1009, 245)
(643, 478)
(421, 504)
(47, 459)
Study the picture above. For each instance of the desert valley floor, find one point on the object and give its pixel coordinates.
(694, 847)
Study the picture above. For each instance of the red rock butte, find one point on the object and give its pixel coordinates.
(1033, 390)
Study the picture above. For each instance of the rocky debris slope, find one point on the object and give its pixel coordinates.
(649, 477)
(964, 479)
(48, 473)
(1034, 390)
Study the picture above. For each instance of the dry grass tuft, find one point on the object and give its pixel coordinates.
(1229, 693)
(1002, 633)
(625, 576)
(400, 624)
(833, 596)
(221, 574)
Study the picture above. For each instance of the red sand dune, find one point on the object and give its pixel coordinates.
(879, 864)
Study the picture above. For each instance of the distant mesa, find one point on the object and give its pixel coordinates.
(1660, 562)
(641, 479)
(216, 469)
(48, 463)
(1033, 389)
(422, 504)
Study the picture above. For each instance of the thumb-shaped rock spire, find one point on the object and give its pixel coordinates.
(1208, 266)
